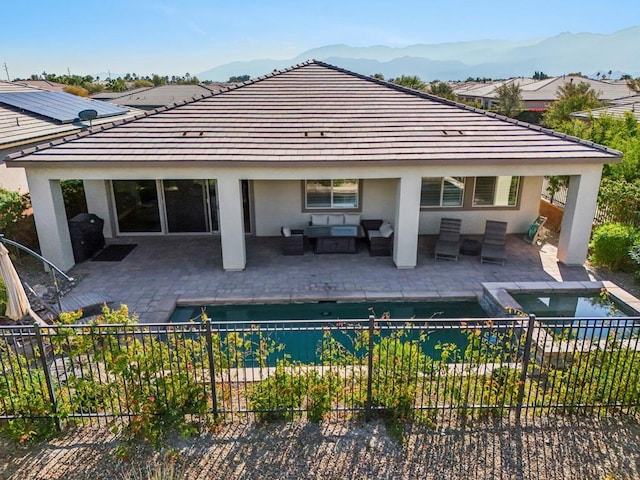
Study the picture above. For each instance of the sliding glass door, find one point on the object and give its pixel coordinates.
(183, 206)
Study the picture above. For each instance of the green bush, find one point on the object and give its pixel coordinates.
(12, 209)
(610, 246)
(3, 298)
(278, 396)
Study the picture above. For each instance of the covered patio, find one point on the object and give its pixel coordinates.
(163, 271)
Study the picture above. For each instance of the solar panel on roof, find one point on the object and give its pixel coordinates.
(60, 106)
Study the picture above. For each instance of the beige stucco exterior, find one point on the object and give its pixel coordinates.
(277, 199)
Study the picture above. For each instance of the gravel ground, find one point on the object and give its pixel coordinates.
(547, 448)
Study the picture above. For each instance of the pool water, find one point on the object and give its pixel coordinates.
(576, 305)
(595, 316)
(302, 345)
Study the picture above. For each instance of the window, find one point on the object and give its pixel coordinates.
(339, 194)
(496, 191)
(442, 192)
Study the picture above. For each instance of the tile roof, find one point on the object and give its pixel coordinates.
(166, 95)
(546, 90)
(311, 113)
(617, 109)
(21, 127)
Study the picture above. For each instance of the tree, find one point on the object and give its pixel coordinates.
(633, 84)
(411, 81)
(442, 90)
(76, 90)
(239, 78)
(158, 80)
(509, 98)
(379, 76)
(572, 97)
(540, 75)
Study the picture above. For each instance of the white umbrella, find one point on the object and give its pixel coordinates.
(18, 305)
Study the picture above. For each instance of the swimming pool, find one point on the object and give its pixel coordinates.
(302, 342)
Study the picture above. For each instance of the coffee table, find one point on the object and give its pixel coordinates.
(334, 238)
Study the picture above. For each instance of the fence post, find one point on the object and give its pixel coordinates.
(47, 376)
(212, 372)
(526, 358)
(367, 408)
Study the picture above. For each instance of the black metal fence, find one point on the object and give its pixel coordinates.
(281, 369)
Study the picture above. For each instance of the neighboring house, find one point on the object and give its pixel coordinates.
(166, 95)
(44, 115)
(617, 109)
(110, 96)
(537, 94)
(42, 85)
(313, 138)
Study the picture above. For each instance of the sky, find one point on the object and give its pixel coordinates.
(167, 37)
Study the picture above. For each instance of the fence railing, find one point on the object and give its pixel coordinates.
(281, 369)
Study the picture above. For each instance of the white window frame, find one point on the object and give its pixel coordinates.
(357, 207)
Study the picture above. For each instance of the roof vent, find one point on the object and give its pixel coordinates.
(315, 134)
(452, 132)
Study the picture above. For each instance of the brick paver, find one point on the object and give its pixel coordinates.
(164, 270)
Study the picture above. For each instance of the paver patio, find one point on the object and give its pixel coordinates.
(161, 271)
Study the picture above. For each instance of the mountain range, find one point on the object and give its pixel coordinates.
(589, 53)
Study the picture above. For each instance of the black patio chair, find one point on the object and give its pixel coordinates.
(494, 243)
(448, 243)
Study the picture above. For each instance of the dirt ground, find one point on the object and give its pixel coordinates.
(547, 448)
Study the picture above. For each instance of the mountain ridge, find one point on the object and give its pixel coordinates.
(555, 55)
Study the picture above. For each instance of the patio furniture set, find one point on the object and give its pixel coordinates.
(339, 233)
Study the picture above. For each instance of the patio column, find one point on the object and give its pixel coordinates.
(577, 219)
(96, 194)
(405, 242)
(234, 256)
(50, 219)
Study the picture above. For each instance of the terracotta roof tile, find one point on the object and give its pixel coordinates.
(314, 113)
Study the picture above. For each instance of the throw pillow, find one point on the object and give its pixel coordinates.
(317, 219)
(386, 230)
(335, 219)
(352, 219)
(286, 232)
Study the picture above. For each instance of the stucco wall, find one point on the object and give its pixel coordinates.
(473, 220)
(14, 179)
(278, 203)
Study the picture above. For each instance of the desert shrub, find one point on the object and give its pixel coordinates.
(76, 90)
(610, 246)
(278, 396)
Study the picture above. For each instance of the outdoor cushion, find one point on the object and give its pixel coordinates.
(335, 219)
(286, 231)
(386, 230)
(374, 234)
(319, 219)
(352, 219)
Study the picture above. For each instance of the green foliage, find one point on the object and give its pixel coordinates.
(397, 363)
(141, 83)
(621, 200)
(509, 97)
(442, 90)
(239, 78)
(280, 395)
(3, 298)
(74, 198)
(555, 183)
(411, 81)
(540, 75)
(572, 97)
(13, 206)
(23, 390)
(610, 245)
(76, 90)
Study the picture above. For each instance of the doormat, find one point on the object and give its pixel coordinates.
(114, 253)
